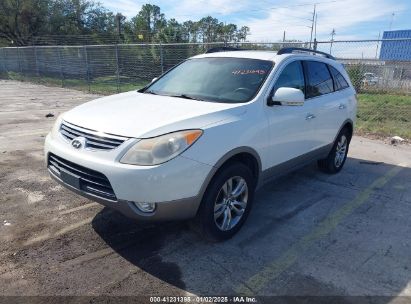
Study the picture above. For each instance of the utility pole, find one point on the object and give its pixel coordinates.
(225, 33)
(392, 20)
(378, 45)
(312, 25)
(332, 39)
(119, 18)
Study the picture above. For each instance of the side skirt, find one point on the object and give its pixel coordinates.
(293, 164)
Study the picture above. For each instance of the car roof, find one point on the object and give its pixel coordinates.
(262, 55)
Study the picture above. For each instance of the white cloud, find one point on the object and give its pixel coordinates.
(189, 9)
(342, 15)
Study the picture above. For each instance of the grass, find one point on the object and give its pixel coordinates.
(379, 114)
(100, 85)
(384, 115)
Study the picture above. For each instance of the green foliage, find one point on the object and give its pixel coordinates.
(150, 25)
(40, 22)
(22, 19)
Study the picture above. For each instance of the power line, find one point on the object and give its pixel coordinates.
(298, 5)
(312, 26)
(269, 8)
(296, 17)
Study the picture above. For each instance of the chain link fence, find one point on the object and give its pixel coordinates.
(104, 68)
(370, 68)
(383, 84)
(380, 71)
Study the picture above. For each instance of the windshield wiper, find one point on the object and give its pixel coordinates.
(150, 92)
(185, 96)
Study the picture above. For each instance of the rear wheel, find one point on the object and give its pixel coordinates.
(226, 202)
(338, 154)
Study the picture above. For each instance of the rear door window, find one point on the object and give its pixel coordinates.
(319, 79)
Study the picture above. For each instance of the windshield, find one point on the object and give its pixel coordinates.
(227, 80)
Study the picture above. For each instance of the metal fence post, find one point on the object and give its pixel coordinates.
(36, 62)
(161, 58)
(61, 67)
(87, 68)
(19, 60)
(117, 69)
(4, 60)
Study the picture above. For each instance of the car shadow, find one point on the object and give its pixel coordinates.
(285, 211)
(140, 243)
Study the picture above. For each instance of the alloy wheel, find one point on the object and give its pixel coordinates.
(231, 203)
(341, 151)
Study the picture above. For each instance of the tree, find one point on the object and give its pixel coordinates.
(79, 17)
(22, 19)
(208, 27)
(173, 32)
(25, 22)
(242, 33)
(229, 32)
(149, 22)
(190, 31)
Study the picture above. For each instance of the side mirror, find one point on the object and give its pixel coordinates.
(154, 79)
(287, 97)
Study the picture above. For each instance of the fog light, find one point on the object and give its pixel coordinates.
(146, 207)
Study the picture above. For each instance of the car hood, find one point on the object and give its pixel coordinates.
(140, 115)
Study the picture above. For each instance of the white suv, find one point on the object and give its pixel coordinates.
(199, 140)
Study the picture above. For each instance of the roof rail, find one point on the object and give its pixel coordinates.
(222, 49)
(290, 50)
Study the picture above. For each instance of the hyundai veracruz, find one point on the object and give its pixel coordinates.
(199, 140)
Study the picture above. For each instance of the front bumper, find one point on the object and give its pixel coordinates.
(176, 186)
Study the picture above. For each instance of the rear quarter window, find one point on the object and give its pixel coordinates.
(339, 81)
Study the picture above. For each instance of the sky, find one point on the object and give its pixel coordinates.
(268, 19)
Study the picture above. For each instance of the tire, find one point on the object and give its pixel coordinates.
(338, 154)
(217, 207)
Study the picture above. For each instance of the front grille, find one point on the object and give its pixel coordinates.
(90, 181)
(93, 139)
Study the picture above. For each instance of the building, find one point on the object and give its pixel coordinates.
(396, 50)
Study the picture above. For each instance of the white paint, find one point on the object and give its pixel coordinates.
(277, 134)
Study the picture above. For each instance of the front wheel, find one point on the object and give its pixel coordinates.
(226, 202)
(338, 154)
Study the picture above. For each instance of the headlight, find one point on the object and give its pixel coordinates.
(56, 126)
(157, 150)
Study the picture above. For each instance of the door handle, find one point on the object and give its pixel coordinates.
(342, 106)
(310, 116)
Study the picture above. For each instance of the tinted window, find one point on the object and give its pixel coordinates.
(227, 80)
(319, 79)
(339, 81)
(291, 77)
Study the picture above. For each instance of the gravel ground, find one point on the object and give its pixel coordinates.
(308, 234)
